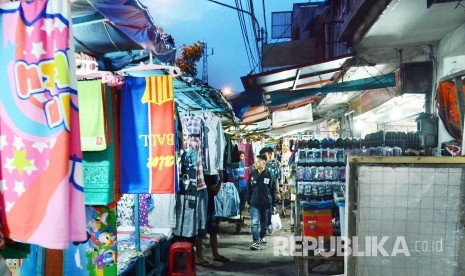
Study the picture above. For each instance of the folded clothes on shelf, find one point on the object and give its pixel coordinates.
(317, 205)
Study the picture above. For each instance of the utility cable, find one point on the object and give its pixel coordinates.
(264, 19)
(256, 29)
(243, 34)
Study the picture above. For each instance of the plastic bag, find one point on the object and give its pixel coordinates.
(276, 222)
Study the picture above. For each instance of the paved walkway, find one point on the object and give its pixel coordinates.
(243, 260)
(262, 262)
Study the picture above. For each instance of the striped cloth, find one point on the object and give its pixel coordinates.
(147, 136)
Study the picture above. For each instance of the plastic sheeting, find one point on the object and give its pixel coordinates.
(291, 117)
(417, 209)
(290, 130)
(118, 25)
(244, 100)
(280, 98)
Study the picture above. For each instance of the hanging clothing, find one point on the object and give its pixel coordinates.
(163, 213)
(147, 136)
(248, 151)
(91, 115)
(125, 210)
(214, 149)
(185, 131)
(195, 153)
(227, 201)
(144, 201)
(99, 166)
(42, 198)
(235, 154)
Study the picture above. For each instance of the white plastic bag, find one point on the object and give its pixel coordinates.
(276, 222)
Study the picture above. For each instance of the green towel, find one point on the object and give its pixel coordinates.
(16, 250)
(91, 116)
(99, 169)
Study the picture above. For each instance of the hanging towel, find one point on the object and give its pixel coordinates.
(42, 198)
(92, 116)
(99, 168)
(147, 136)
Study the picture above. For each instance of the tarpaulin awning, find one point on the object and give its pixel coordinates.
(302, 76)
(280, 98)
(255, 114)
(290, 130)
(302, 114)
(311, 75)
(244, 100)
(196, 96)
(104, 26)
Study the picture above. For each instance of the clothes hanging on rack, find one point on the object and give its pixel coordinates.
(125, 210)
(163, 214)
(257, 146)
(235, 154)
(147, 140)
(193, 129)
(246, 147)
(215, 145)
(99, 166)
(144, 202)
(191, 218)
(42, 199)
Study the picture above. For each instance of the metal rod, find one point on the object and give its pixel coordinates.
(136, 221)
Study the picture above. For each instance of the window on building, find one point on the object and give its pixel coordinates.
(281, 25)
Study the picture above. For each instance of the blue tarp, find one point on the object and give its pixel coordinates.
(104, 26)
(244, 100)
(280, 98)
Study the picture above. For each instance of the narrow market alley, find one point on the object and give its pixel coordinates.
(219, 137)
(263, 262)
(246, 262)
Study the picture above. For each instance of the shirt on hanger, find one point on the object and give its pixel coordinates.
(216, 145)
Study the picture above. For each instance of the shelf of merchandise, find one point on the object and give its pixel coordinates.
(299, 197)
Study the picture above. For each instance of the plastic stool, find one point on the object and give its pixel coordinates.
(184, 266)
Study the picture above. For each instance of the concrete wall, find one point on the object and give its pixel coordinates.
(451, 53)
(450, 59)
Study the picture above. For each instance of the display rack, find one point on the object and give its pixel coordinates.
(143, 265)
(309, 262)
(316, 187)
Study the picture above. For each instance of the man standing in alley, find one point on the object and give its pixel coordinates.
(274, 167)
(261, 194)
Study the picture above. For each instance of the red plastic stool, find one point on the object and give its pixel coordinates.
(182, 259)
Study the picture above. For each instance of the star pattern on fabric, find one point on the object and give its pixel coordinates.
(48, 26)
(40, 146)
(38, 49)
(19, 188)
(18, 143)
(9, 164)
(20, 161)
(30, 169)
(29, 30)
(3, 141)
(9, 205)
(52, 142)
(59, 25)
(3, 186)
